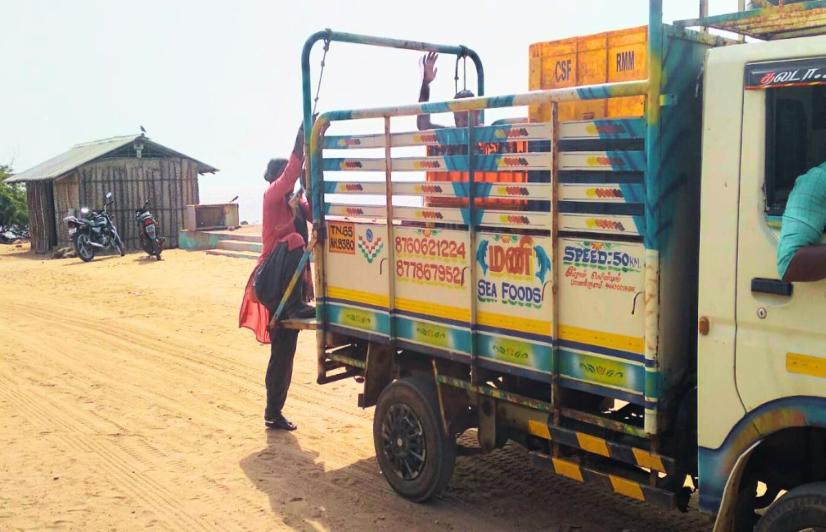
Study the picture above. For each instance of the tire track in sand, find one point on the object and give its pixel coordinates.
(151, 494)
(365, 474)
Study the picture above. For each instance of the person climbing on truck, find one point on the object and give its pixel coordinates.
(283, 246)
(800, 257)
(462, 119)
(429, 71)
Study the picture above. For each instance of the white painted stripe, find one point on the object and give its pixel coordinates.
(357, 187)
(356, 211)
(498, 218)
(440, 215)
(508, 162)
(516, 219)
(598, 223)
(503, 133)
(590, 160)
(602, 193)
(533, 191)
(590, 129)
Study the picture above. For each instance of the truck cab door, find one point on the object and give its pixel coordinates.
(781, 328)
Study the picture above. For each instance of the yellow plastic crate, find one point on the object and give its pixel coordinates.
(537, 112)
(559, 67)
(589, 60)
(627, 61)
(591, 70)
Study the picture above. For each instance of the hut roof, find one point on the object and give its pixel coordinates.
(86, 152)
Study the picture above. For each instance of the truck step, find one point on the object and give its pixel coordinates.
(346, 374)
(347, 361)
(309, 324)
(616, 483)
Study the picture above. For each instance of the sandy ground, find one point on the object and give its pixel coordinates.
(129, 399)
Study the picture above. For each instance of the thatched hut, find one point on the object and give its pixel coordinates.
(133, 168)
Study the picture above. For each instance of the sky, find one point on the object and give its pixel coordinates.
(221, 81)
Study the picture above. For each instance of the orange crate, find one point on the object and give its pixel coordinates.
(627, 61)
(480, 177)
(591, 70)
(559, 69)
(588, 60)
(536, 111)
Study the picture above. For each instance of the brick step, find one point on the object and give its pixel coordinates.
(234, 235)
(239, 245)
(233, 254)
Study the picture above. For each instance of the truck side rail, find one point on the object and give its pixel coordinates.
(389, 288)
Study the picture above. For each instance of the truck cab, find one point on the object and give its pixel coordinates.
(761, 360)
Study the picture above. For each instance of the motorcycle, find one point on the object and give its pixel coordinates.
(93, 231)
(148, 229)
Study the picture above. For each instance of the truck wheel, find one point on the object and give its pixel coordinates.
(803, 508)
(414, 454)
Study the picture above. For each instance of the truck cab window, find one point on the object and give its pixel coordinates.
(795, 139)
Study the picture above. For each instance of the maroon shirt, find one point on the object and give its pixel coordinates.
(279, 223)
(279, 226)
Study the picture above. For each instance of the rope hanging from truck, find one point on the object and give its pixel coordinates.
(463, 57)
(321, 74)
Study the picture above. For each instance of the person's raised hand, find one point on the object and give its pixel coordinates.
(429, 69)
(298, 147)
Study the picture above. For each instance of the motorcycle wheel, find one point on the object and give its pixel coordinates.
(158, 249)
(84, 250)
(118, 244)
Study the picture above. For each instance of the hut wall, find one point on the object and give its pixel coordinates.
(66, 203)
(39, 200)
(169, 184)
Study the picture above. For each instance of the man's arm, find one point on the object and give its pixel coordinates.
(428, 74)
(800, 257)
(808, 264)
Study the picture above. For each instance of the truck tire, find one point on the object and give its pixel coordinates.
(413, 452)
(803, 508)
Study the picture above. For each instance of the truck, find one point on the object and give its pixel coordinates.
(614, 304)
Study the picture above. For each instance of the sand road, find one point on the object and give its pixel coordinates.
(129, 399)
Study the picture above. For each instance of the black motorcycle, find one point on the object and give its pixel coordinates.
(148, 229)
(94, 230)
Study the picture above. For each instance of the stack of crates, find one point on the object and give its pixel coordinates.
(590, 60)
(482, 177)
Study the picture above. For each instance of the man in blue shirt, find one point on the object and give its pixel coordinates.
(800, 258)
